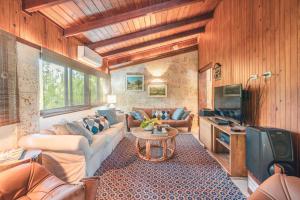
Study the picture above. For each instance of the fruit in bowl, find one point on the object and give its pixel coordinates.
(148, 124)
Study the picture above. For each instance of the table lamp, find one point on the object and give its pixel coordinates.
(111, 100)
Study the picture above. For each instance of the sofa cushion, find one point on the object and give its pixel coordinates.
(91, 125)
(100, 140)
(137, 115)
(61, 129)
(148, 111)
(96, 125)
(161, 114)
(77, 128)
(165, 115)
(143, 113)
(110, 114)
(177, 115)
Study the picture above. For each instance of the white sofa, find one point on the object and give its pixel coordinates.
(70, 157)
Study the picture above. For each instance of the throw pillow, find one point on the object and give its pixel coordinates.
(102, 122)
(156, 114)
(144, 114)
(77, 128)
(110, 114)
(177, 115)
(137, 115)
(186, 114)
(61, 129)
(165, 115)
(91, 125)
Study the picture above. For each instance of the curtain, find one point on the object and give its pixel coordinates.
(9, 105)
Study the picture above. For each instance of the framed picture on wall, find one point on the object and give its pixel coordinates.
(135, 82)
(158, 90)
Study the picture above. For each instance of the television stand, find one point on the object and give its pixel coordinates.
(231, 156)
(219, 121)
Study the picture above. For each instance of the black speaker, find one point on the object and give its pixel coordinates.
(266, 146)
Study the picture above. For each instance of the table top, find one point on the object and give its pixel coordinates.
(147, 135)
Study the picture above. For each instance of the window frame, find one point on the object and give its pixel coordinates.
(69, 107)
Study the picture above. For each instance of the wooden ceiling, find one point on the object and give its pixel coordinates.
(123, 28)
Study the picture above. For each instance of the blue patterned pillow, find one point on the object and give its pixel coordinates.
(92, 125)
(137, 115)
(177, 115)
(156, 113)
(110, 115)
(165, 115)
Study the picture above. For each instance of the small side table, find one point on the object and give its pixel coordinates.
(27, 156)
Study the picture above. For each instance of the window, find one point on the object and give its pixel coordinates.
(53, 77)
(77, 88)
(67, 86)
(94, 89)
(102, 90)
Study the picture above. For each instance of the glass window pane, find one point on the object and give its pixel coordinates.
(77, 88)
(101, 90)
(53, 86)
(93, 90)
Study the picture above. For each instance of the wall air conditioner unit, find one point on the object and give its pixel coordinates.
(89, 57)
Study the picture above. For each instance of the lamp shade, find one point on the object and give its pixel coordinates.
(111, 98)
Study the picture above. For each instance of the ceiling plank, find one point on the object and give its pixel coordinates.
(151, 52)
(36, 5)
(160, 56)
(154, 42)
(143, 33)
(105, 21)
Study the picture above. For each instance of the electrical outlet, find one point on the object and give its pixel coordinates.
(267, 74)
(253, 76)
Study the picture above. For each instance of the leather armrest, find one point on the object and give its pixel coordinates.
(90, 185)
(131, 122)
(190, 118)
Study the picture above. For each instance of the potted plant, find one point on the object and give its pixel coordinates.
(148, 124)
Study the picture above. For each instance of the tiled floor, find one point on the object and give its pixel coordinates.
(242, 184)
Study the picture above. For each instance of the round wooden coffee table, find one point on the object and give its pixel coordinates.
(165, 143)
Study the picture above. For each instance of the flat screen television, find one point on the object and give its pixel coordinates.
(228, 102)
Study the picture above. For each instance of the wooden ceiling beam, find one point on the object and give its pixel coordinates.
(158, 29)
(152, 52)
(36, 5)
(105, 21)
(154, 42)
(160, 56)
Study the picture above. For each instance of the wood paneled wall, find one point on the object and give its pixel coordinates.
(251, 37)
(35, 28)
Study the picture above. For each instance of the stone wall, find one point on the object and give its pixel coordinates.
(28, 82)
(178, 72)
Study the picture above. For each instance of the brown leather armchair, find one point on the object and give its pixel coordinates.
(278, 187)
(33, 181)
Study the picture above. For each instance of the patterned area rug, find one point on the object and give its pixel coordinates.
(191, 174)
